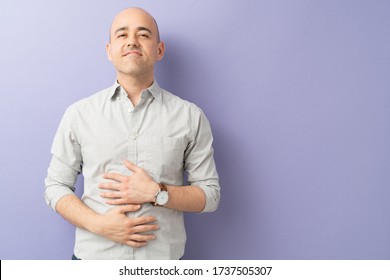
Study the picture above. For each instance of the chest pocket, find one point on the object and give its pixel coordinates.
(162, 157)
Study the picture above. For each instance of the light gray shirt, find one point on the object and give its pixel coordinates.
(163, 134)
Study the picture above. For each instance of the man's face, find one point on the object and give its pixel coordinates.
(134, 46)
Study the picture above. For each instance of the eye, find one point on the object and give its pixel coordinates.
(121, 35)
(144, 35)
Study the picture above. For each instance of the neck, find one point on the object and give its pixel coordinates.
(134, 86)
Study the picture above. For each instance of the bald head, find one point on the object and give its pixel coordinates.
(137, 15)
(134, 46)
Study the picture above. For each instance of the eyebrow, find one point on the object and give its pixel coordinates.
(125, 28)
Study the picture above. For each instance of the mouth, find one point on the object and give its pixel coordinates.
(132, 52)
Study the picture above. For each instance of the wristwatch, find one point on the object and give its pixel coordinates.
(161, 196)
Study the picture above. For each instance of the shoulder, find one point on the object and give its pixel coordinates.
(92, 102)
(177, 103)
(187, 111)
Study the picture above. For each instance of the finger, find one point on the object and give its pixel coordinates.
(128, 208)
(131, 166)
(140, 240)
(112, 195)
(145, 228)
(115, 177)
(110, 186)
(142, 237)
(135, 244)
(143, 220)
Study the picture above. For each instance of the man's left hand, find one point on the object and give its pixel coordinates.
(137, 188)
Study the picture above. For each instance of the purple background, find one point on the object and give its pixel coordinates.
(297, 93)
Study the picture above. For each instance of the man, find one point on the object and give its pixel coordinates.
(132, 142)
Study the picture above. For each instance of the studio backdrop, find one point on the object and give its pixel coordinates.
(297, 94)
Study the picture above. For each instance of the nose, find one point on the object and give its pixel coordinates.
(132, 41)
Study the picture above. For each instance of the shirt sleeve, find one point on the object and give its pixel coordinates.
(199, 161)
(66, 162)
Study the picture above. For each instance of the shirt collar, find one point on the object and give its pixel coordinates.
(154, 90)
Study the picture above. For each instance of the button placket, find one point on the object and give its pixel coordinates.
(133, 130)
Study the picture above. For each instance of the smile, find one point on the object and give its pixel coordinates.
(132, 53)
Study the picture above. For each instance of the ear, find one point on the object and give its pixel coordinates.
(160, 50)
(108, 51)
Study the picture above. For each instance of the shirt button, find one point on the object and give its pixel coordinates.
(133, 138)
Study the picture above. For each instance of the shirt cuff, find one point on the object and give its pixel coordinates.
(212, 193)
(54, 193)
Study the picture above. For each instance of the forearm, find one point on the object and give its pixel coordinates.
(186, 198)
(72, 209)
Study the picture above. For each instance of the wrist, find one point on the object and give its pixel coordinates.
(162, 196)
(155, 189)
(95, 224)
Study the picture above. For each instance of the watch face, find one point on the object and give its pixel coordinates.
(162, 198)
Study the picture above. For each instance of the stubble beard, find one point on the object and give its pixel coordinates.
(135, 68)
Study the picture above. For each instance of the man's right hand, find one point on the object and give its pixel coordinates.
(116, 226)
